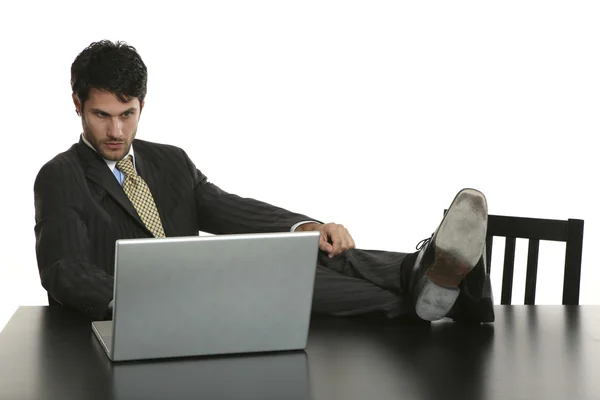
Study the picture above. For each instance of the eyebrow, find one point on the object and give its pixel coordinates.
(97, 110)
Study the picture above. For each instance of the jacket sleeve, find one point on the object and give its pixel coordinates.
(220, 212)
(62, 245)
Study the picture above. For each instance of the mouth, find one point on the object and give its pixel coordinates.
(115, 145)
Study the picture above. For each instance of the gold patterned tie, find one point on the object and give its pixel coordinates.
(139, 193)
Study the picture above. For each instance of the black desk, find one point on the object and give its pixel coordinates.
(530, 352)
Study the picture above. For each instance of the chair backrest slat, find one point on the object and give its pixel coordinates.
(573, 253)
(532, 265)
(489, 242)
(508, 271)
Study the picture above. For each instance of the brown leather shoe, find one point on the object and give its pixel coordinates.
(448, 257)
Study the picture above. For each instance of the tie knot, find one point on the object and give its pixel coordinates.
(126, 166)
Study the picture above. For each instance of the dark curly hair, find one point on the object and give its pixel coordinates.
(114, 67)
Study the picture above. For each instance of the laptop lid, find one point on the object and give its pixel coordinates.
(212, 295)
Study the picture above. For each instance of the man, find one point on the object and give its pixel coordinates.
(111, 186)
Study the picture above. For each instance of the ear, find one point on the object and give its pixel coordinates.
(77, 104)
(142, 106)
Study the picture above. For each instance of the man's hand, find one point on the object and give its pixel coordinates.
(335, 239)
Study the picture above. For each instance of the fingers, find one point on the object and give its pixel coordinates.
(337, 241)
(324, 244)
(340, 239)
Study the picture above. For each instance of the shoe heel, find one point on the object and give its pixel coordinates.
(433, 301)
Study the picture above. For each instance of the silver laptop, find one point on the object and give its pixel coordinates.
(210, 295)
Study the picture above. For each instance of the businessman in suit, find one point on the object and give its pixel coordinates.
(111, 185)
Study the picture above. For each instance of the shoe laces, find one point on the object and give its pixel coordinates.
(423, 242)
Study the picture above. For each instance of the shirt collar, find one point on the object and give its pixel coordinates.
(111, 164)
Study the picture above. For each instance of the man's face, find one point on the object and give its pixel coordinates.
(109, 124)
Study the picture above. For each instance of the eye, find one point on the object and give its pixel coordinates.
(100, 114)
(127, 114)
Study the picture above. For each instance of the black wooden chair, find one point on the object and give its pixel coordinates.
(535, 229)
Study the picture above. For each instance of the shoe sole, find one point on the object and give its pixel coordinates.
(458, 247)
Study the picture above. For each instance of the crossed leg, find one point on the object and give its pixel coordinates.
(360, 282)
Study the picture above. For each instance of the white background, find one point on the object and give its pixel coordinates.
(372, 114)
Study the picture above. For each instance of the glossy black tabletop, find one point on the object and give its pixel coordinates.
(530, 352)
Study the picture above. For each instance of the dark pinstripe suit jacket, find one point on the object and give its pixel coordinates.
(81, 210)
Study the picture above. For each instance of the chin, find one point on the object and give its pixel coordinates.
(112, 156)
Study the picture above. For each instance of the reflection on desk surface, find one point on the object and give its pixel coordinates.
(274, 376)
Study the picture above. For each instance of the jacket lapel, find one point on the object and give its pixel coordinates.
(97, 171)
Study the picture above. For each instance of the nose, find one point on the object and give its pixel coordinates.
(115, 128)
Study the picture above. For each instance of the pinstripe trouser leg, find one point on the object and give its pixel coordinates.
(359, 282)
